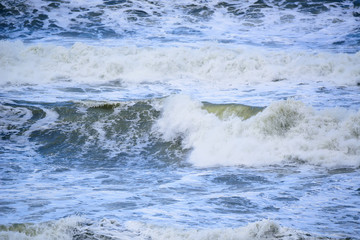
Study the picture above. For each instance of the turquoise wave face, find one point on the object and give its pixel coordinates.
(311, 24)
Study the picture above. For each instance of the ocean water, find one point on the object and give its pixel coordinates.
(192, 119)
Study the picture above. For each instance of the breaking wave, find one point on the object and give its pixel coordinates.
(176, 128)
(284, 131)
(212, 66)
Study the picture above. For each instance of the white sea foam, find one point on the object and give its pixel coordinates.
(212, 66)
(265, 229)
(284, 131)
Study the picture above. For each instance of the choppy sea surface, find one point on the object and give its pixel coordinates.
(192, 119)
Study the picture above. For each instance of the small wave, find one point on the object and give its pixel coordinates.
(265, 229)
(80, 228)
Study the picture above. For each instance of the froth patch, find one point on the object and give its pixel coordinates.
(285, 131)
